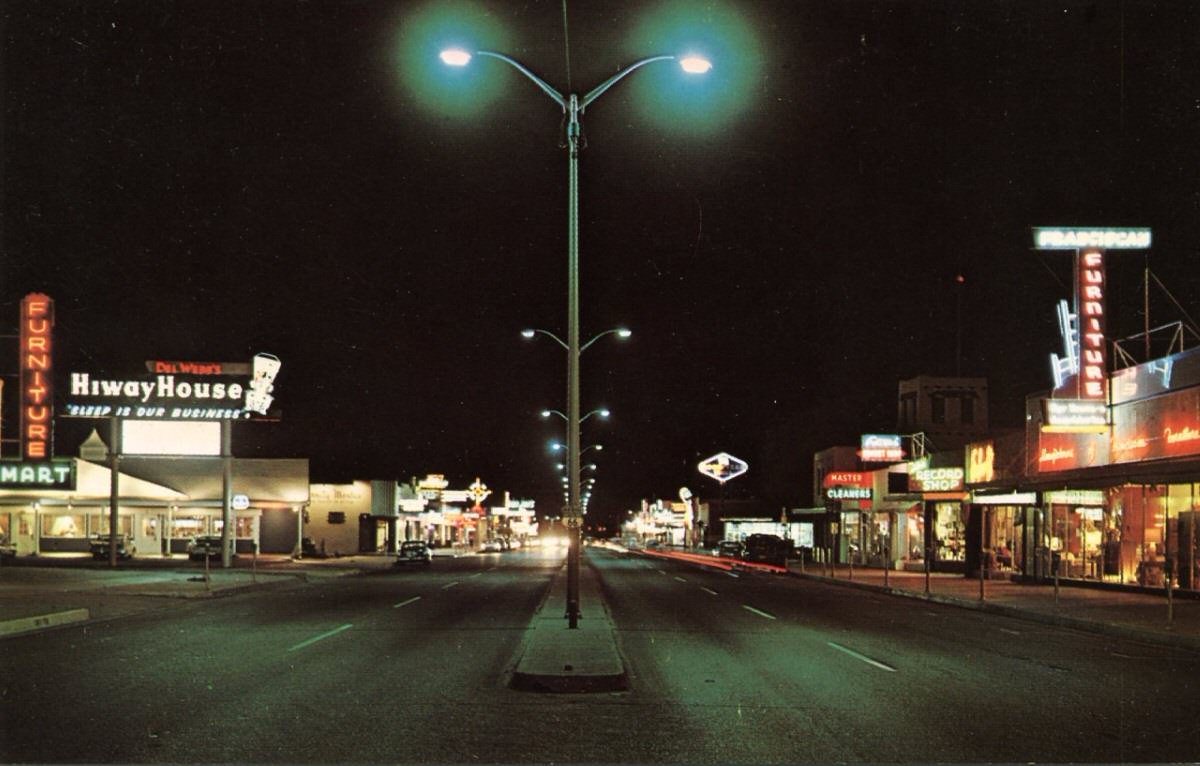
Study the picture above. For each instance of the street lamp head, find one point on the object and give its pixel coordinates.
(624, 333)
(604, 413)
(546, 413)
(557, 446)
(691, 64)
(455, 57)
(528, 333)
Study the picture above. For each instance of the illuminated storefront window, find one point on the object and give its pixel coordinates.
(949, 532)
(98, 524)
(914, 535)
(243, 526)
(67, 525)
(188, 526)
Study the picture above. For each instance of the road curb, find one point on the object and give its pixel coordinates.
(1191, 643)
(20, 625)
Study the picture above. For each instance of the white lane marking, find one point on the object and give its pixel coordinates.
(759, 612)
(680, 579)
(708, 590)
(934, 614)
(477, 574)
(732, 574)
(662, 572)
(1122, 656)
(449, 585)
(315, 639)
(1010, 632)
(406, 603)
(862, 657)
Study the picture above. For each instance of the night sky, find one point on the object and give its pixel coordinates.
(207, 180)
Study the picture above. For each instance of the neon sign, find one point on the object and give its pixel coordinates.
(848, 493)
(196, 395)
(981, 462)
(845, 478)
(1074, 415)
(881, 448)
(37, 392)
(1073, 238)
(1091, 324)
(52, 474)
(723, 467)
(937, 479)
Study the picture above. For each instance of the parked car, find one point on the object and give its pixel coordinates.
(99, 545)
(766, 549)
(201, 547)
(730, 549)
(8, 550)
(492, 546)
(414, 552)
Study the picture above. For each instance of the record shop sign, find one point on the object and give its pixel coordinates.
(204, 392)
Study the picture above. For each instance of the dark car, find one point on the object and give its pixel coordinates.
(201, 547)
(766, 549)
(730, 549)
(99, 546)
(414, 552)
(8, 550)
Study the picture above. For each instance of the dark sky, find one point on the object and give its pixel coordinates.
(206, 180)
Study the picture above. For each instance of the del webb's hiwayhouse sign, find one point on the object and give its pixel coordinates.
(178, 391)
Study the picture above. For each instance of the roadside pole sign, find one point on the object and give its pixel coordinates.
(723, 467)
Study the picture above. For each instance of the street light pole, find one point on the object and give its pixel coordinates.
(573, 106)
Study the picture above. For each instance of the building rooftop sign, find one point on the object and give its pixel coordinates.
(1078, 237)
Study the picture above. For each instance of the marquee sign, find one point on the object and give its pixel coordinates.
(208, 391)
(44, 474)
(36, 364)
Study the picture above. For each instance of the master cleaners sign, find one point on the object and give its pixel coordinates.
(207, 392)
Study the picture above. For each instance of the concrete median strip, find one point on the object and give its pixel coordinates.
(556, 658)
(42, 621)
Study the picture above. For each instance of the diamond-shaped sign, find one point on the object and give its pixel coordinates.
(723, 467)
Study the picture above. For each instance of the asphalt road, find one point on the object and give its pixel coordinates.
(412, 666)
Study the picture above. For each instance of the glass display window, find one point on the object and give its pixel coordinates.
(184, 527)
(63, 525)
(950, 532)
(98, 524)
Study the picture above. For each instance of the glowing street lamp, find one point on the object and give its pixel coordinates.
(573, 106)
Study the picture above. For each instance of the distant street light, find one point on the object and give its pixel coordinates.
(603, 413)
(573, 106)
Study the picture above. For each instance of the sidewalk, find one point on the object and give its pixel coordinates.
(1130, 615)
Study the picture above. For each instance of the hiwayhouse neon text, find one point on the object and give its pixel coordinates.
(162, 387)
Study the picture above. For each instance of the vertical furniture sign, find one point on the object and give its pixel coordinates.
(1092, 367)
(37, 390)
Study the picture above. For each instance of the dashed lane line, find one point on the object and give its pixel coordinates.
(862, 657)
(709, 591)
(759, 612)
(315, 639)
(407, 602)
(680, 579)
(449, 585)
